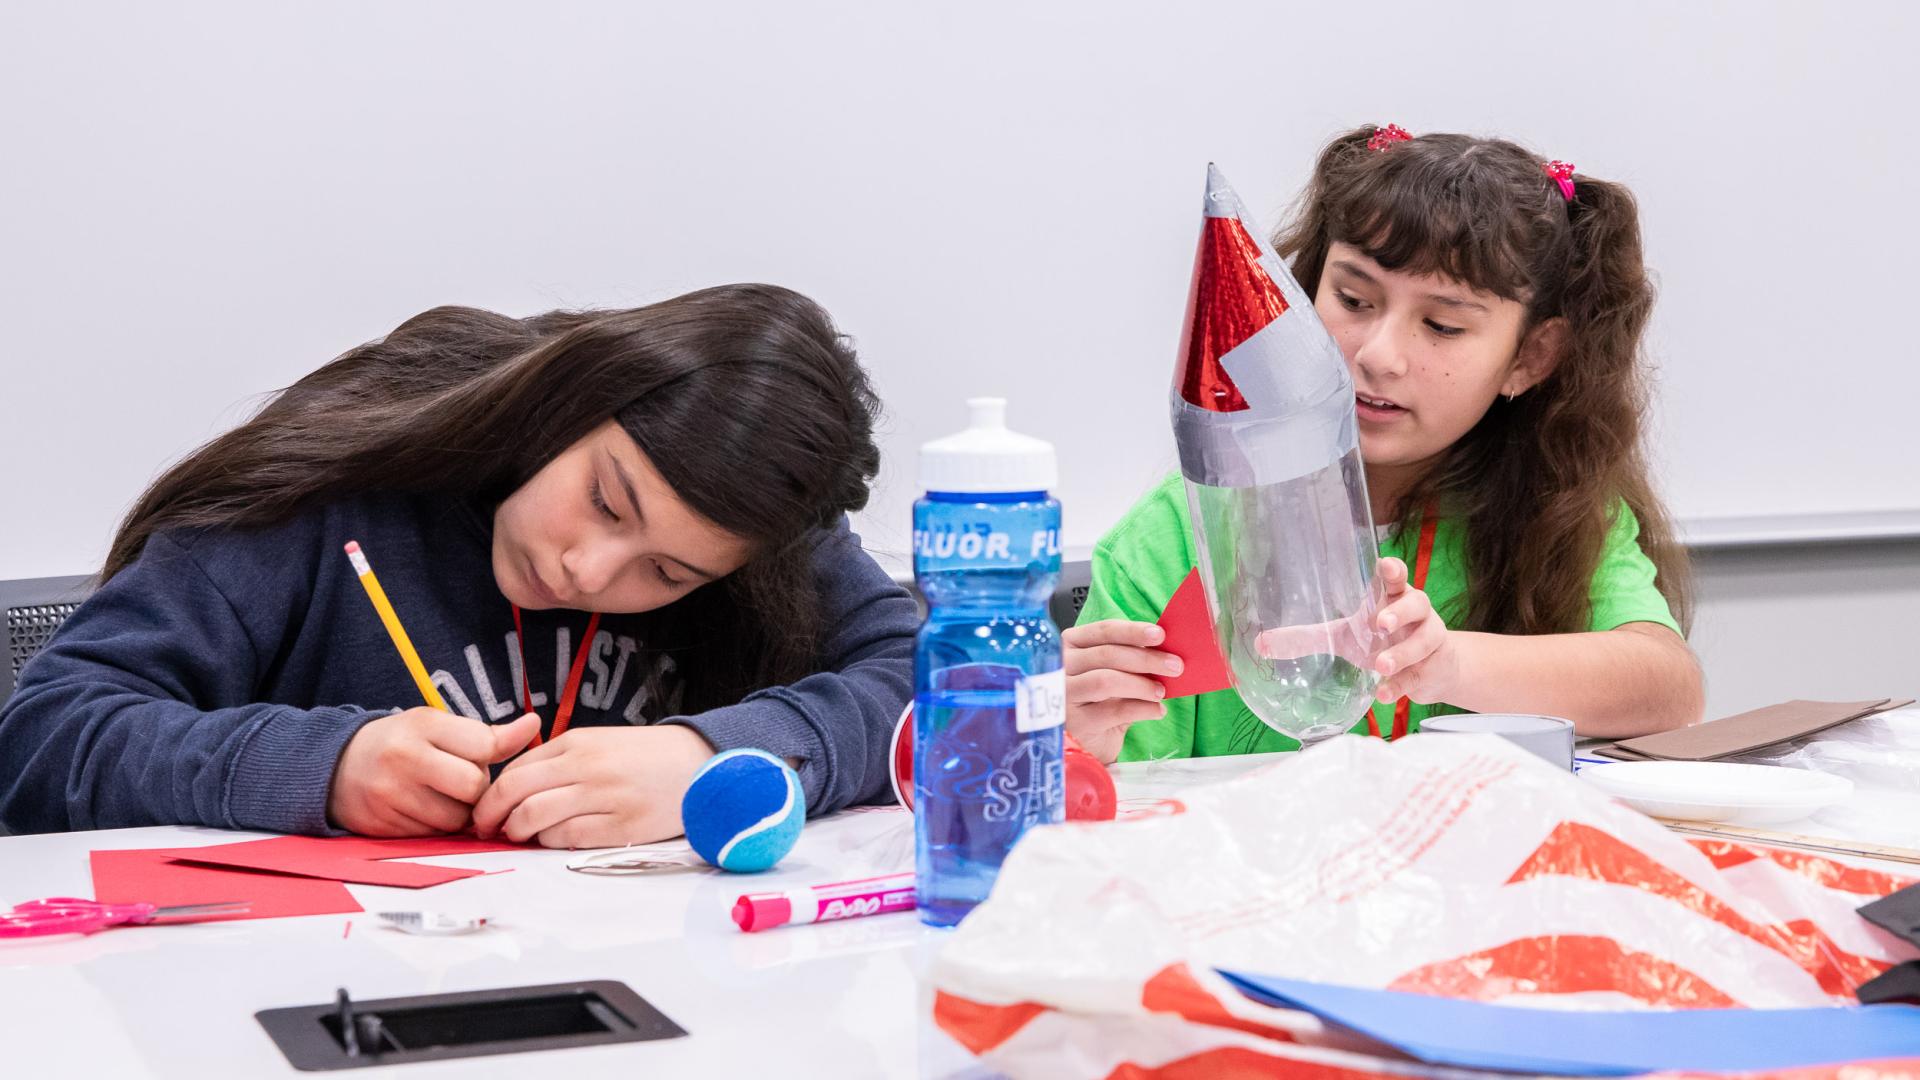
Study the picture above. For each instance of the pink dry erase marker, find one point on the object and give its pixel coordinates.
(824, 903)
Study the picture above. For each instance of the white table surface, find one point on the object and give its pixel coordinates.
(179, 1001)
(837, 999)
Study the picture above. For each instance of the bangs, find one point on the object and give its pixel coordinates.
(1437, 214)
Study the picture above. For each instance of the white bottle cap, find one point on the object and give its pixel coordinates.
(987, 458)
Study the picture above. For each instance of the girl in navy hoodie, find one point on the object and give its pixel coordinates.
(653, 499)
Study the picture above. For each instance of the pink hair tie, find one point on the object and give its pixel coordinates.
(1387, 136)
(1562, 173)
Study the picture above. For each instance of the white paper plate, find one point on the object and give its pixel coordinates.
(1719, 790)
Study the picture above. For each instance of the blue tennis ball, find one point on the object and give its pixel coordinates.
(744, 810)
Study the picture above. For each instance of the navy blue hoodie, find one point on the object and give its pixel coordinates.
(217, 679)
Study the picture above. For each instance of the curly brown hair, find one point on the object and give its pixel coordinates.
(1539, 477)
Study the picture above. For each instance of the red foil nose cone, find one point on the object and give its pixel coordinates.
(1231, 300)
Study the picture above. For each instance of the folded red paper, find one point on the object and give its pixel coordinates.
(153, 877)
(410, 847)
(1190, 636)
(279, 876)
(352, 859)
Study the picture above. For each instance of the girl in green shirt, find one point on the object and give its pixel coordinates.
(1490, 306)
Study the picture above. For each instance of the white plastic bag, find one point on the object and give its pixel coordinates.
(1456, 865)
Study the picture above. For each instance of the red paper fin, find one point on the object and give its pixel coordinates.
(1190, 637)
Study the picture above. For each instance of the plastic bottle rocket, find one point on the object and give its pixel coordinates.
(1263, 417)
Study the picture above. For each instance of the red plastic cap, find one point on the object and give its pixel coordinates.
(762, 911)
(1090, 793)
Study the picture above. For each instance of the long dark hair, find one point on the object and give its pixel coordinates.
(1539, 476)
(745, 397)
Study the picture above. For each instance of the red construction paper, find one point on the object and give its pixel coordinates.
(152, 877)
(353, 859)
(319, 864)
(280, 876)
(1190, 637)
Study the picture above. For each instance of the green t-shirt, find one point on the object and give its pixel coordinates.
(1142, 560)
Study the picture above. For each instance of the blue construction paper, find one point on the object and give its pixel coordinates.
(1471, 1034)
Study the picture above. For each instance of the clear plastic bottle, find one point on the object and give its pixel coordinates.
(1289, 566)
(989, 690)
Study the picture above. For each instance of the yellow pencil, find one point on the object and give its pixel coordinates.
(394, 630)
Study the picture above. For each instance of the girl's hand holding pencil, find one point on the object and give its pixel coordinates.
(419, 772)
(425, 770)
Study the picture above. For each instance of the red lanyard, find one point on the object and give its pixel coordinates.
(563, 715)
(1403, 709)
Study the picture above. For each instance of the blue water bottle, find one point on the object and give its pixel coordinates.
(989, 691)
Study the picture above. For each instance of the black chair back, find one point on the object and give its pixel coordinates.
(33, 608)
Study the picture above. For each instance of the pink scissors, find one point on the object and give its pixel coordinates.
(72, 915)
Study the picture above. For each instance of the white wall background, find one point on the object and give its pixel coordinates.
(1832, 623)
(200, 201)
